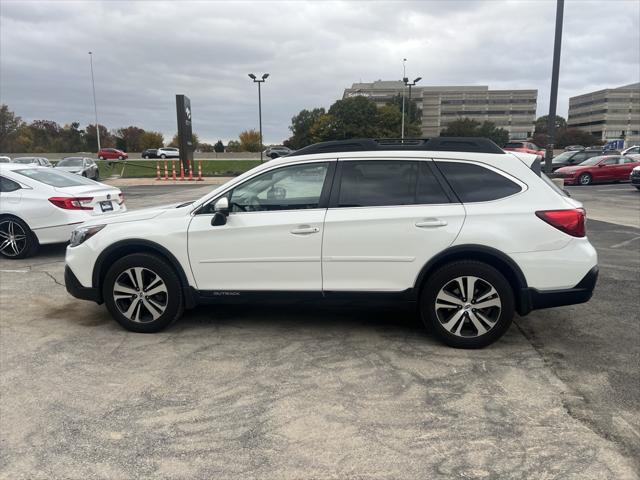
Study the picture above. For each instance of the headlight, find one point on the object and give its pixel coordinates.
(80, 234)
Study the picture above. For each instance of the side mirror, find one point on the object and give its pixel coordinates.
(222, 206)
(218, 219)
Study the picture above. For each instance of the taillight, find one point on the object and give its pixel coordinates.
(72, 203)
(570, 222)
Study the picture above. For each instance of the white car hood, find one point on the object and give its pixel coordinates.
(135, 215)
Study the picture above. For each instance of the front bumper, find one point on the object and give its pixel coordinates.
(533, 299)
(75, 288)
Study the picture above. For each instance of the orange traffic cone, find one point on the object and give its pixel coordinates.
(190, 171)
(181, 171)
(166, 171)
(157, 171)
(173, 170)
(200, 171)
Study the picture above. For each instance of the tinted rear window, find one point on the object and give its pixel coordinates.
(70, 162)
(514, 145)
(384, 183)
(473, 183)
(54, 178)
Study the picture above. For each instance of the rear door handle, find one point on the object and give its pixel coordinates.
(431, 223)
(305, 230)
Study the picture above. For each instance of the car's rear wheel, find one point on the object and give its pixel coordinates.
(143, 293)
(584, 179)
(101, 157)
(97, 176)
(163, 156)
(145, 156)
(467, 304)
(16, 239)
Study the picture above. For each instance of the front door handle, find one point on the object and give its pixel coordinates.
(431, 223)
(305, 230)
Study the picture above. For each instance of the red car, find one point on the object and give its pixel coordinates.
(606, 168)
(524, 147)
(111, 153)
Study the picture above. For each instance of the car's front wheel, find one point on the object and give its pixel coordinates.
(97, 176)
(467, 304)
(120, 157)
(584, 179)
(143, 293)
(16, 239)
(163, 156)
(101, 157)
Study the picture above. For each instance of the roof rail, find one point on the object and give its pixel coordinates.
(447, 144)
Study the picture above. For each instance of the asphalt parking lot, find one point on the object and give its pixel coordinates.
(311, 391)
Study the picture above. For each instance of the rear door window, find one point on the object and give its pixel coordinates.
(378, 183)
(7, 185)
(474, 183)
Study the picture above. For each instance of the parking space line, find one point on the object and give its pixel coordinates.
(626, 242)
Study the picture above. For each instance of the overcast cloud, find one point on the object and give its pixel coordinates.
(145, 52)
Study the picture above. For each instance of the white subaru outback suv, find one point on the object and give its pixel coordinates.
(469, 232)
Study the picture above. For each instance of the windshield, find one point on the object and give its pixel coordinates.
(514, 145)
(563, 157)
(53, 178)
(70, 162)
(24, 160)
(592, 161)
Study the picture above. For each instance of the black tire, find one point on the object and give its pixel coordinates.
(120, 157)
(585, 179)
(97, 175)
(26, 247)
(163, 156)
(101, 157)
(145, 156)
(173, 302)
(442, 279)
(84, 174)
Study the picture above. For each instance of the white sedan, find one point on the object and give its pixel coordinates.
(40, 205)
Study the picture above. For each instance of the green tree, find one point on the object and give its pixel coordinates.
(354, 117)
(218, 147)
(72, 138)
(151, 140)
(10, 126)
(573, 136)
(206, 147)
(233, 146)
(250, 141)
(541, 124)
(467, 127)
(130, 138)
(301, 125)
(413, 114)
(106, 139)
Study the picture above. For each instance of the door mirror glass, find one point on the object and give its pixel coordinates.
(222, 206)
(218, 219)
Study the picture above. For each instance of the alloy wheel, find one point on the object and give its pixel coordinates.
(140, 295)
(468, 306)
(13, 238)
(585, 179)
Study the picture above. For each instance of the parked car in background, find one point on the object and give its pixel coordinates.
(168, 152)
(84, 166)
(367, 219)
(150, 153)
(571, 148)
(277, 151)
(524, 147)
(41, 205)
(605, 168)
(631, 150)
(40, 161)
(634, 177)
(5, 159)
(112, 154)
(575, 157)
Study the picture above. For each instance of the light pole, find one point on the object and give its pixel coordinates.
(95, 107)
(404, 82)
(259, 81)
(553, 97)
(413, 84)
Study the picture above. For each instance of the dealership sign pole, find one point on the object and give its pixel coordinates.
(185, 134)
(553, 100)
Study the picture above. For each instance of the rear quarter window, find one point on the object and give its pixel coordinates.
(473, 183)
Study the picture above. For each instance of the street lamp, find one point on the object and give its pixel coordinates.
(259, 81)
(95, 107)
(413, 84)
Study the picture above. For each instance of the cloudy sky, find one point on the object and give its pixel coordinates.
(145, 52)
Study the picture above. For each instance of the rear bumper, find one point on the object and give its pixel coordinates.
(533, 299)
(77, 290)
